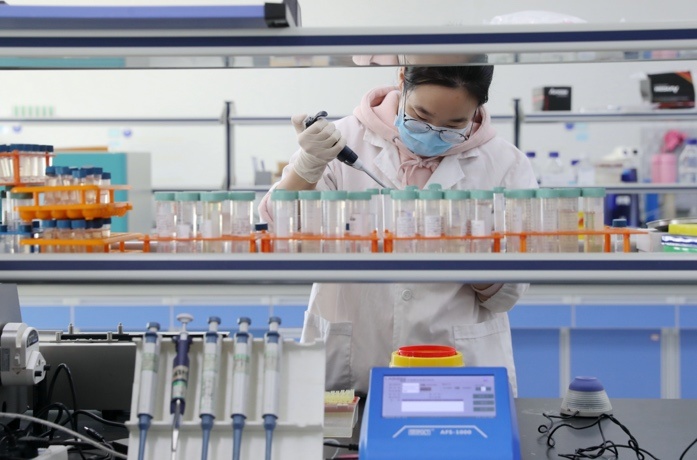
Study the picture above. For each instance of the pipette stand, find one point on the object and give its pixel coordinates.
(299, 432)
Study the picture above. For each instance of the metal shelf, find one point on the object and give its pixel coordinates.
(637, 268)
(116, 121)
(614, 117)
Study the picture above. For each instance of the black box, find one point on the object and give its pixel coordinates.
(673, 90)
(552, 98)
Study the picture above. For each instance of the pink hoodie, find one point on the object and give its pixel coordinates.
(377, 112)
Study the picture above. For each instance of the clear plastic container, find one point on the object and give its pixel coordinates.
(23, 232)
(457, 217)
(482, 222)
(79, 178)
(334, 220)
(430, 220)
(95, 232)
(593, 199)
(285, 219)
(404, 219)
(79, 227)
(63, 232)
(52, 180)
(499, 209)
(212, 220)
(553, 173)
(5, 164)
(618, 240)
(532, 158)
(375, 207)
(26, 162)
(687, 163)
(386, 221)
(310, 202)
(49, 233)
(568, 218)
(187, 220)
(546, 215)
(38, 163)
(240, 207)
(165, 220)
(5, 242)
(106, 228)
(519, 205)
(10, 204)
(361, 220)
(105, 181)
(65, 178)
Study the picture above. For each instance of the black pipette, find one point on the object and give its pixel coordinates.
(346, 155)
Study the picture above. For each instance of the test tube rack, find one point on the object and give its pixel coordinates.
(80, 210)
(298, 434)
(14, 158)
(117, 242)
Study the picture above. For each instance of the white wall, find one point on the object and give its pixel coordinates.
(193, 156)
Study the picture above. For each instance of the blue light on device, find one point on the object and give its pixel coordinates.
(439, 413)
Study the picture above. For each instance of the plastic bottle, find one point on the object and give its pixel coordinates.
(106, 228)
(687, 163)
(519, 205)
(429, 220)
(361, 220)
(11, 215)
(334, 221)
(404, 219)
(546, 215)
(310, 202)
(241, 217)
(532, 158)
(79, 178)
(593, 199)
(457, 217)
(618, 240)
(165, 220)
(285, 219)
(584, 172)
(105, 182)
(212, 220)
(568, 218)
(481, 224)
(553, 172)
(187, 220)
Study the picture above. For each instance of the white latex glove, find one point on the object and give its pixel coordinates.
(320, 144)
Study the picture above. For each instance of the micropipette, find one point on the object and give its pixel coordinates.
(346, 155)
(241, 370)
(272, 380)
(209, 381)
(180, 379)
(149, 365)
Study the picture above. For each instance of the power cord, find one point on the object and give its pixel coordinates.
(684, 452)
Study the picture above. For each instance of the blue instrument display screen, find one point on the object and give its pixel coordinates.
(438, 396)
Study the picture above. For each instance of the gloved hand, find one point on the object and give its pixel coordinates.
(320, 144)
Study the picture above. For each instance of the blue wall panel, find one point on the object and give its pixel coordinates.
(107, 318)
(688, 316)
(627, 362)
(292, 316)
(688, 364)
(540, 316)
(536, 353)
(259, 314)
(56, 318)
(625, 316)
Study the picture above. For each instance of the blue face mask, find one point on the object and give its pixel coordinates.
(428, 144)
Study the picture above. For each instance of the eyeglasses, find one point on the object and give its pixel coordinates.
(447, 135)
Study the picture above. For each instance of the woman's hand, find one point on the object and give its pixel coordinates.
(320, 144)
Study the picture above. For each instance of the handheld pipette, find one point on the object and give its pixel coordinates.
(272, 380)
(241, 370)
(149, 365)
(209, 381)
(180, 379)
(346, 155)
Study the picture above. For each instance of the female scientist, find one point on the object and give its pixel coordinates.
(432, 128)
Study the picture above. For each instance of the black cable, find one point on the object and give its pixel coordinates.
(684, 452)
(73, 394)
(99, 419)
(353, 447)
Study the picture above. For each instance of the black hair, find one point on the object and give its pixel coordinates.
(475, 79)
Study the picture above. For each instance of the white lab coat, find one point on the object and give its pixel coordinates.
(362, 324)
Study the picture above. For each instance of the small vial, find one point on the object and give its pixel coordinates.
(49, 230)
(618, 239)
(11, 204)
(38, 162)
(26, 162)
(5, 242)
(500, 213)
(430, 219)
(593, 199)
(65, 178)
(79, 227)
(240, 209)
(187, 221)
(79, 178)
(481, 224)
(94, 232)
(519, 205)
(5, 164)
(24, 232)
(457, 217)
(90, 195)
(106, 227)
(376, 207)
(404, 219)
(310, 202)
(63, 232)
(568, 218)
(105, 181)
(263, 244)
(546, 215)
(165, 220)
(51, 181)
(334, 221)
(386, 222)
(285, 219)
(361, 220)
(212, 220)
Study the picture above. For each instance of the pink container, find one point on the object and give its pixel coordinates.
(664, 168)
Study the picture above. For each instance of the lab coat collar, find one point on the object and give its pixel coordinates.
(387, 161)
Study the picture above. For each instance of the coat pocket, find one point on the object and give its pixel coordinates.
(337, 339)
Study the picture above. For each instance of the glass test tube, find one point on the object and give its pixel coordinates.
(38, 155)
(187, 221)
(334, 221)
(404, 219)
(430, 219)
(375, 207)
(457, 217)
(386, 222)
(362, 220)
(5, 164)
(593, 199)
(212, 220)
(165, 220)
(500, 213)
(482, 222)
(10, 212)
(241, 210)
(546, 214)
(568, 218)
(310, 202)
(285, 219)
(519, 204)
(618, 240)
